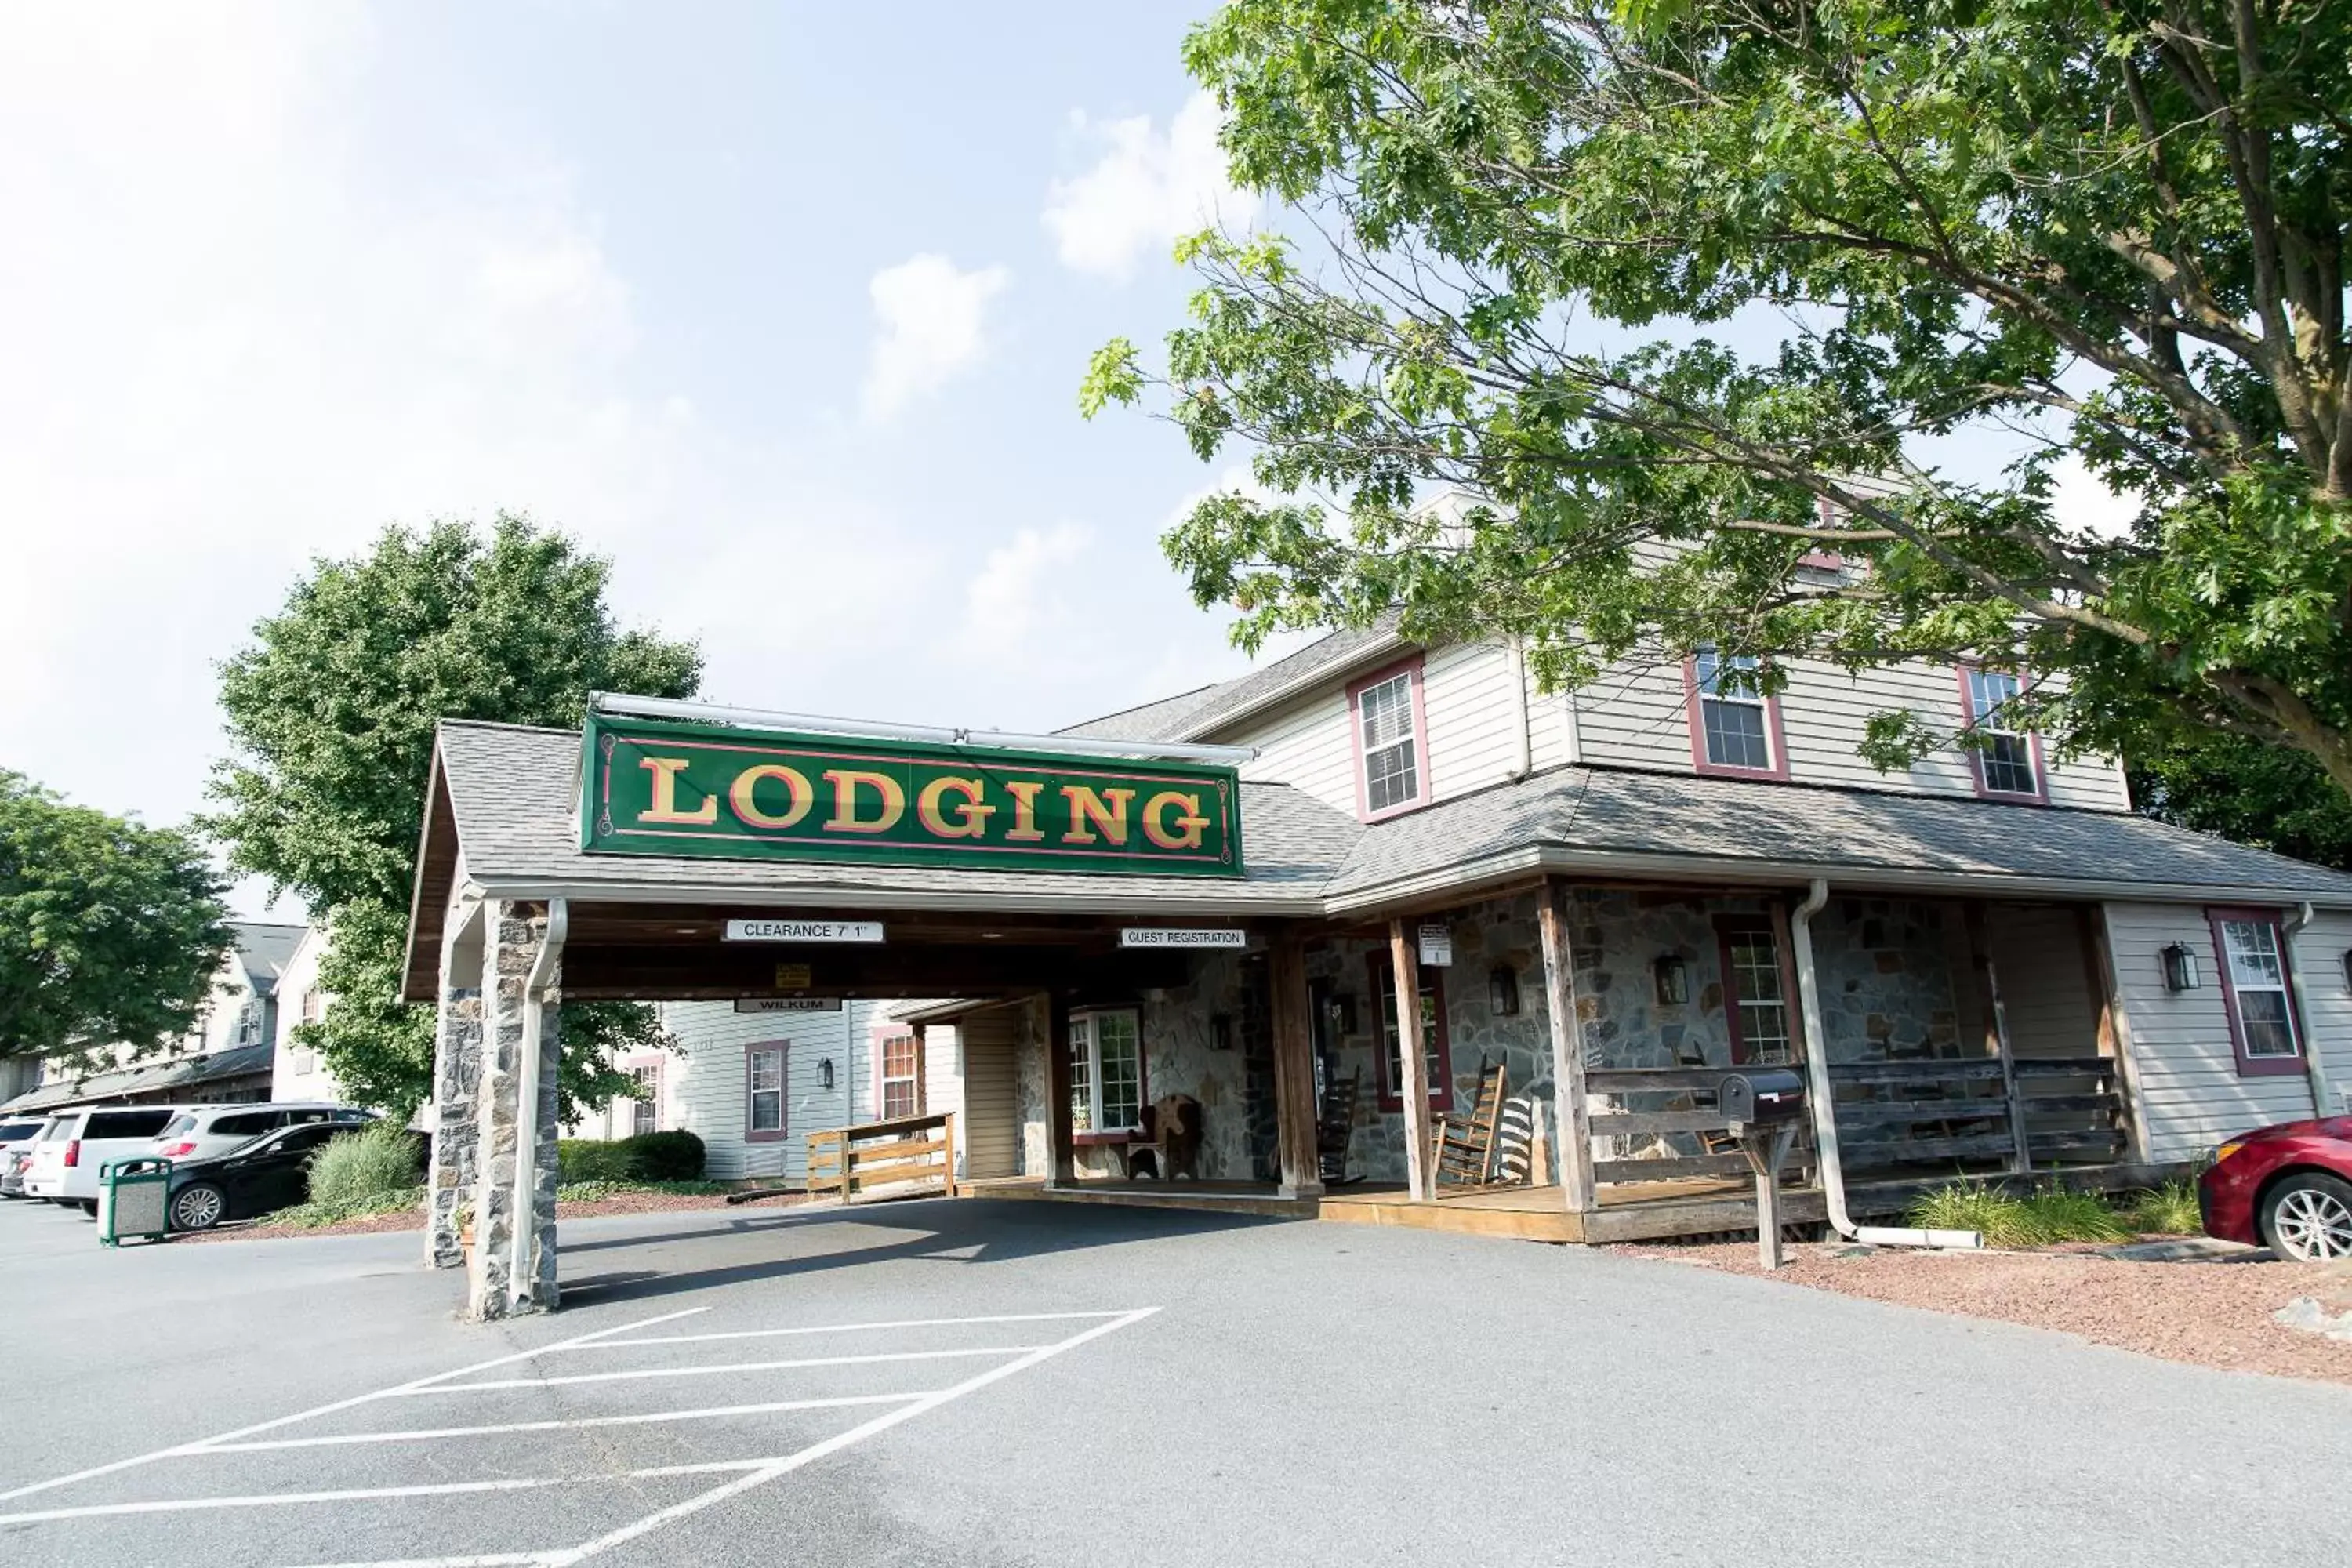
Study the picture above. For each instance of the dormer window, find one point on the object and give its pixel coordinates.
(2009, 764)
(1734, 727)
(1391, 741)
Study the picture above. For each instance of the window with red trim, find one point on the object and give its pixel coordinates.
(2256, 992)
(764, 1091)
(2010, 761)
(1734, 727)
(902, 1076)
(1754, 995)
(1391, 741)
(1390, 1061)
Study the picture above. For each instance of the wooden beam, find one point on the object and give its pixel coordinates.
(1294, 1072)
(1996, 1027)
(1572, 1106)
(1404, 971)
(1061, 1153)
(717, 971)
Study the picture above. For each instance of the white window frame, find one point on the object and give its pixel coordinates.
(1399, 693)
(1706, 667)
(644, 1097)
(1985, 718)
(753, 1092)
(912, 1077)
(1087, 1113)
(2243, 981)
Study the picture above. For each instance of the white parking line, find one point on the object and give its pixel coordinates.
(342, 1438)
(842, 1329)
(634, 1373)
(179, 1449)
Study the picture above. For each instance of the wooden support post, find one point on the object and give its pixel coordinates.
(1294, 1072)
(1061, 1154)
(1996, 1029)
(1571, 1111)
(948, 1176)
(923, 1074)
(2114, 1023)
(1404, 969)
(1766, 1152)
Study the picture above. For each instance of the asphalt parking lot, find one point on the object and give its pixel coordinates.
(982, 1383)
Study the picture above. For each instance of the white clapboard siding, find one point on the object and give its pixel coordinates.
(2191, 1096)
(1308, 745)
(2046, 998)
(2319, 957)
(1473, 719)
(992, 1111)
(714, 1036)
(1636, 715)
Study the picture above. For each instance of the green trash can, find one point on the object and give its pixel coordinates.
(134, 1200)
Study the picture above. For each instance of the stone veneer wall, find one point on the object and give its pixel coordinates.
(1886, 968)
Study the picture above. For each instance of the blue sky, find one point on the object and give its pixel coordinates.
(782, 307)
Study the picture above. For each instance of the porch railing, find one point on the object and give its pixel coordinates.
(2026, 1113)
(905, 1157)
(1671, 1113)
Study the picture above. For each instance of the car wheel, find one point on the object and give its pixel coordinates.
(89, 1207)
(200, 1206)
(2308, 1217)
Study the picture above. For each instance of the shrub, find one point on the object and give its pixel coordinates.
(2168, 1210)
(593, 1159)
(311, 1215)
(1961, 1206)
(2059, 1215)
(667, 1156)
(378, 1161)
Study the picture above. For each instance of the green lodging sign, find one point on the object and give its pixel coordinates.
(654, 788)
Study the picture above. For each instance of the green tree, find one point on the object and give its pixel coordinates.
(111, 932)
(2264, 795)
(1682, 295)
(332, 712)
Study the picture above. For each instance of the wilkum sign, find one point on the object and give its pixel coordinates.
(654, 788)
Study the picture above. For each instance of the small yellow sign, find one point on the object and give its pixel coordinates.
(792, 977)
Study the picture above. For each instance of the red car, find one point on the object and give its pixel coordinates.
(2287, 1187)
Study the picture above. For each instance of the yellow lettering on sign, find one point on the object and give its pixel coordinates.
(792, 977)
(1185, 833)
(1024, 810)
(742, 794)
(971, 817)
(664, 791)
(1105, 812)
(846, 783)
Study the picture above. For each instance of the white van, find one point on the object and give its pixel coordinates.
(77, 1142)
(201, 1131)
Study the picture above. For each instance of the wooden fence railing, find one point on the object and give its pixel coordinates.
(1949, 1110)
(1649, 1105)
(906, 1157)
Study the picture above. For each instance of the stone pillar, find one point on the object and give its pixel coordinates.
(513, 938)
(457, 1079)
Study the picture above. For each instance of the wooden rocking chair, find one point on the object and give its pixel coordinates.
(1335, 1132)
(1465, 1144)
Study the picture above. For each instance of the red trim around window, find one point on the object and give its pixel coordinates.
(1697, 717)
(1420, 796)
(1440, 1088)
(1725, 928)
(783, 1101)
(2257, 1067)
(2041, 795)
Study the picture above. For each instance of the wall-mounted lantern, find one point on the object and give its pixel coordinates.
(2347, 969)
(1502, 990)
(1672, 979)
(2180, 967)
(825, 1072)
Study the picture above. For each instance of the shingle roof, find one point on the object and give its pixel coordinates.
(1669, 823)
(512, 791)
(1192, 714)
(265, 947)
(180, 1072)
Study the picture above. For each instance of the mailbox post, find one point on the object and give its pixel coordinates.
(1765, 1108)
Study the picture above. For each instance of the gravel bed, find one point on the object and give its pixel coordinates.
(413, 1219)
(2210, 1314)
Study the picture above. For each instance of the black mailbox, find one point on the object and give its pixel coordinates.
(1764, 1097)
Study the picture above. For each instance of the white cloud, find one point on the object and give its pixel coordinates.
(932, 328)
(1018, 595)
(1145, 191)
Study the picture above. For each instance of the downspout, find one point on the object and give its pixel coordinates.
(1818, 1091)
(1523, 742)
(521, 1273)
(2314, 1067)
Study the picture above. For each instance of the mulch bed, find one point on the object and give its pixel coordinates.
(2213, 1314)
(413, 1219)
